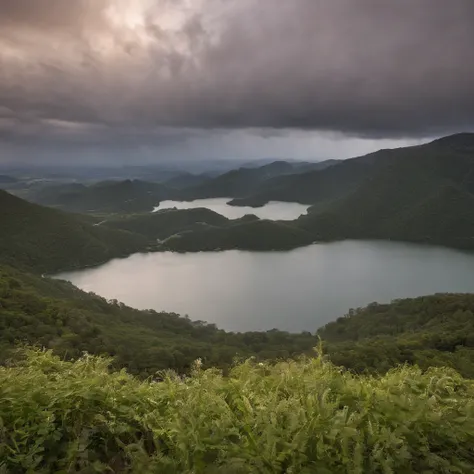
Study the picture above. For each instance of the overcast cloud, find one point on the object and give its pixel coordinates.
(150, 79)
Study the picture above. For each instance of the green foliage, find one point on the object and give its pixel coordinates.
(429, 331)
(289, 417)
(45, 239)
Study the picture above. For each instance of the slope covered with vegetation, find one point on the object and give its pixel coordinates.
(246, 234)
(449, 159)
(48, 240)
(301, 417)
(423, 195)
(428, 331)
(164, 223)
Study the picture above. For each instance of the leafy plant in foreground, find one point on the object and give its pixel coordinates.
(291, 417)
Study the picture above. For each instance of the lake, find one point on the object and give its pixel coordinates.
(297, 290)
(273, 210)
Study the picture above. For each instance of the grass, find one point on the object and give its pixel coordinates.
(304, 416)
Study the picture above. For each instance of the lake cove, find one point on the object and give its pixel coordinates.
(273, 210)
(298, 290)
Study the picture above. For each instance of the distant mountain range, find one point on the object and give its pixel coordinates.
(138, 195)
(103, 197)
(244, 181)
(420, 194)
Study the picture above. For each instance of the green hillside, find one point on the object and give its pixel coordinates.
(252, 235)
(48, 240)
(309, 187)
(421, 194)
(428, 331)
(452, 155)
(164, 223)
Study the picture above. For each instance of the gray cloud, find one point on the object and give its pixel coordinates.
(117, 73)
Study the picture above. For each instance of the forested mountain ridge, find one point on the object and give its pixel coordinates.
(421, 194)
(47, 240)
(452, 154)
(239, 182)
(135, 195)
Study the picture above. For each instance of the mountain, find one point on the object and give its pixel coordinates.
(48, 240)
(343, 178)
(420, 194)
(104, 197)
(305, 166)
(309, 187)
(244, 181)
(236, 182)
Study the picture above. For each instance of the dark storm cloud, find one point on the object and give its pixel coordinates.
(125, 71)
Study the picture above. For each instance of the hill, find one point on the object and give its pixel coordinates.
(309, 187)
(104, 197)
(428, 331)
(164, 223)
(246, 234)
(47, 240)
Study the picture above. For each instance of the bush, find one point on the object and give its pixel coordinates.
(301, 416)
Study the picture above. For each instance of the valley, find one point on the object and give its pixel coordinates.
(363, 264)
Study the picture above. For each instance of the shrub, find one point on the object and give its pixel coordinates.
(302, 416)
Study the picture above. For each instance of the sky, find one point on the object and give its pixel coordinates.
(130, 81)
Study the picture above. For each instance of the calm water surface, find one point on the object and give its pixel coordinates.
(297, 290)
(273, 210)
